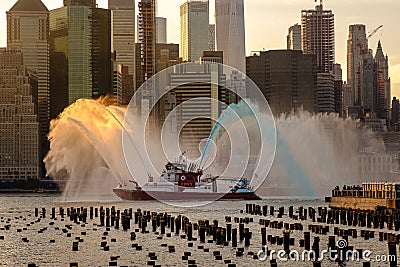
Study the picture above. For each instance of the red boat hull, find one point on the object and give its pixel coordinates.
(140, 195)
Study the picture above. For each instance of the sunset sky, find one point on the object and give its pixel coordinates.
(267, 22)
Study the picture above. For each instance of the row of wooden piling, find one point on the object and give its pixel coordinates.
(325, 216)
(234, 232)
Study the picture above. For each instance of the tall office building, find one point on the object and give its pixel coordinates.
(294, 37)
(395, 114)
(123, 41)
(368, 76)
(348, 98)
(117, 82)
(338, 73)
(126, 83)
(383, 82)
(209, 81)
(146, 61)
(236, 84)
(167, 55)
(357, 46)
(19, 127)
(230, 32)
(101, 52)
(80, 53)
(194, 29)
(211, 37)
(138, 68)
(147, 37)
(27, 30)
(161, 30)
(287, 78)
(325, 92)
(318, 36)
(366, 83)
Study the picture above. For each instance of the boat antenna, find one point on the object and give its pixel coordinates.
(194, 166)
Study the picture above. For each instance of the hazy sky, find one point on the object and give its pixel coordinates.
(267, 22)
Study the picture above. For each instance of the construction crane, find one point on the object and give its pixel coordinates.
(370, 34)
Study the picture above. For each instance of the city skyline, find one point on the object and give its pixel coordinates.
(268, 14)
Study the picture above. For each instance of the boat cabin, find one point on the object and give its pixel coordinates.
(181, 174)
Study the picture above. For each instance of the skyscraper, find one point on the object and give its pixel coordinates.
(211, 37)
(27, 30)
(230, 32)
(357, 46)
(161, 30)
(117, 82)
(167, 55)
(287, 78)
(348, 98)
(294, 37)
(80, 53)
(383, 82)
(19, 127)
(337, 70)
(209, 82)
(146, 61)
(123, 15)
(318, 36)
(325, 92)
(147, 37)
(194, 29)
(126, 83)
(102, 70)
(395, 114)
(366, 83)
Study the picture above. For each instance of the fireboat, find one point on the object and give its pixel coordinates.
(181, 181)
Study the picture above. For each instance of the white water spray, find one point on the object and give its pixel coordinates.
(314, 152)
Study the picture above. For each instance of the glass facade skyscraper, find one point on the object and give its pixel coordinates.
(294, 37)
(80, 51)
(71, 44)
(161, 30)
(194, 29)
(123, 40)
(230, 32)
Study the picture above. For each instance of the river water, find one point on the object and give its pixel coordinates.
(18, 212)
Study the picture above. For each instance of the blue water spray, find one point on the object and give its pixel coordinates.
(295, 171)
(228, 117)
(246, 109)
